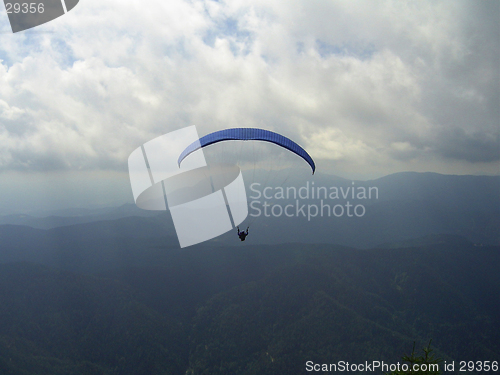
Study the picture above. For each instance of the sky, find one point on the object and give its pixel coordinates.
(368, 88)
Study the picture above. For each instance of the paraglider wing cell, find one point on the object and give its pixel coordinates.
(247, 134)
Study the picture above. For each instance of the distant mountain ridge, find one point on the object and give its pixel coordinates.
(463, 192)
(59, 218)
(409, 205)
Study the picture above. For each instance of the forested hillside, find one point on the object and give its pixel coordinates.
(256, 309)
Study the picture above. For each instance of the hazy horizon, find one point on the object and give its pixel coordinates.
(108, 191)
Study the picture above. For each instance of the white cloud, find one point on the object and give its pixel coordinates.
(387, 81)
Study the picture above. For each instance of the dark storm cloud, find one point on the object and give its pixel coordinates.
(455, 143)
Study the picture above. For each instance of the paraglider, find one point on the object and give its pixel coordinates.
(242, 235)
(248, 134)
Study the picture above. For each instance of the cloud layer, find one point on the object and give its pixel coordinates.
(383, 86)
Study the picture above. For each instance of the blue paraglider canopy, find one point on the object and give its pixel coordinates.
(247, 134)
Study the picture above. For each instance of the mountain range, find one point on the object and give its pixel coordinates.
(111, 292)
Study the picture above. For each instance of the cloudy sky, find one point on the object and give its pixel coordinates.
(368, 88)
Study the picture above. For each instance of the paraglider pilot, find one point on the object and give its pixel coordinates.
(242, 234)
